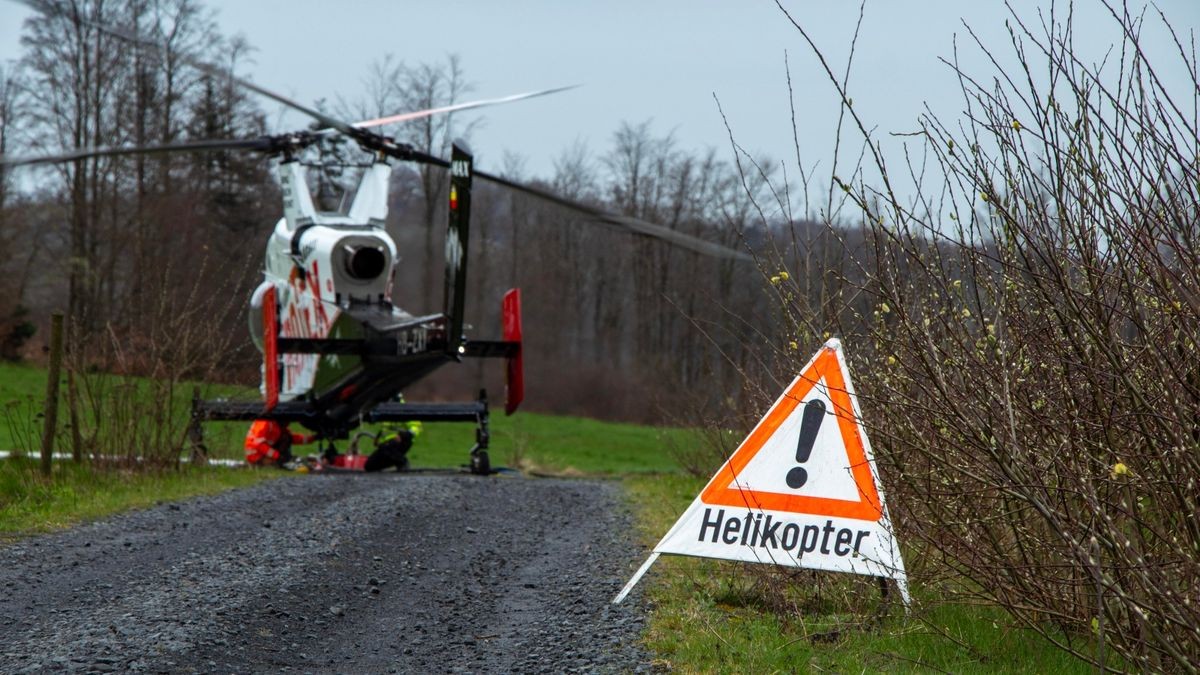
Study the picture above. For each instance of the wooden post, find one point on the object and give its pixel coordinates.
(51, 419)
(195, 432)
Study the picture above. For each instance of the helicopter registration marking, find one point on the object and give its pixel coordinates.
(412, 341)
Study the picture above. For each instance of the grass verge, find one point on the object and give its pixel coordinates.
(31, 503)
(715, 616)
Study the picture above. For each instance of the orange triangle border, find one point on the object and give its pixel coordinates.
(869, 507)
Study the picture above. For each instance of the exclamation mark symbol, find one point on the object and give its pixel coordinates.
(814, 413)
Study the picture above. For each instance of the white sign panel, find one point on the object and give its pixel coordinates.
(802, 490)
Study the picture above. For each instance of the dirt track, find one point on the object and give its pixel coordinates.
(347, 573)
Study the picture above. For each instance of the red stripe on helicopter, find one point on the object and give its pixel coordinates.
(270, 353)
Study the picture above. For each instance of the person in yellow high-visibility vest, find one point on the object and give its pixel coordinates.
(393, 445)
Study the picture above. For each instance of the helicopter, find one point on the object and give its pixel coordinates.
(337, 352)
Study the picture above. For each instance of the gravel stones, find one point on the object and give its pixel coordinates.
(346, 573)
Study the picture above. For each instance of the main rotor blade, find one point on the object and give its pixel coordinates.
(321, 117)
(633, 224)
(116, 150)
(404, 117)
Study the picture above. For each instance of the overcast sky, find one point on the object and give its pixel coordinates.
(639, 60)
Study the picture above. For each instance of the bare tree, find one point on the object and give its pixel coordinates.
(10, 114)
(16, 237)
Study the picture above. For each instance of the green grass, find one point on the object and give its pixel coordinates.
(18, 380)
(717, 616)
(529, 441)
(23, 395)
(75, 493)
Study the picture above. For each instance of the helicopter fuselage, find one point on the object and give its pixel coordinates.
(319, 265)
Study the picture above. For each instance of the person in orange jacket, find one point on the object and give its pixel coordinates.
(269, 442)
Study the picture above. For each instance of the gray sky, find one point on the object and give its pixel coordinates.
(637, 60)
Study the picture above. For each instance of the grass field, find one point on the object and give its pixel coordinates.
(528, 441)
(707, 616)
(23, 394)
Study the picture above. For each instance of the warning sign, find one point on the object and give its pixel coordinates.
(801, 490)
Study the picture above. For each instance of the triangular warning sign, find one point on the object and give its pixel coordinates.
(816, 404)
(801, 490)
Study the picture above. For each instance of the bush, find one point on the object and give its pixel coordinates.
(1025, 338)
(129, 389)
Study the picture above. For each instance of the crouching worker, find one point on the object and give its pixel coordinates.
(270, 443)
(393, 445)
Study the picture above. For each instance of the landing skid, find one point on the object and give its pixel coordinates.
(299, 411)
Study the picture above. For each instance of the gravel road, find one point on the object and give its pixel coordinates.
(336, 573)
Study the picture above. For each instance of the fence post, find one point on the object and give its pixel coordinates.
(51, 419)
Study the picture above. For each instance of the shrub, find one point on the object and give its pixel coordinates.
(1024, 337)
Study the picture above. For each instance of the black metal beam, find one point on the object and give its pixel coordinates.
(293, 411)
(285, 411)
(313, 346)
(491, 349)
(427, 412)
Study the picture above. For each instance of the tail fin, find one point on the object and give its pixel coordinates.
(515, 367)
(458, 235)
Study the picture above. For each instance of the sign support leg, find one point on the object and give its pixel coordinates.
(636, 578)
